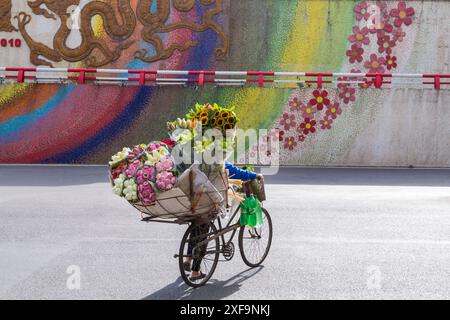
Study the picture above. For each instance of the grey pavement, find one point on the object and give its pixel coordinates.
(339, 233)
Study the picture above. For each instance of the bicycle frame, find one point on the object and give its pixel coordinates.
(222, 231)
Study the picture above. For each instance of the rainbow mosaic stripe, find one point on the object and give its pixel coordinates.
(73, 124)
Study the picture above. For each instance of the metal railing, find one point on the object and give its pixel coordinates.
(260, 79)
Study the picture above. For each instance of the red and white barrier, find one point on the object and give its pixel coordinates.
(219, 78)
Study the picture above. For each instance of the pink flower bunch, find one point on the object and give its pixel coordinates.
(165, 180)
(137, 150)
(146, 193)
(166, 164)
(153, 146)
(145, 174)
(132, 168)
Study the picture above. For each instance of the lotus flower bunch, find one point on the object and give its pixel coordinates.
(165, 180)
(132, 168)
(147, 193)
(165, 164)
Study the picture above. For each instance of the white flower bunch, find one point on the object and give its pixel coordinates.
(130, 190)
(118, 185)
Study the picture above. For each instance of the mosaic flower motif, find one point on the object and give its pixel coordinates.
(402, 14)
(398, 34)
(307, 127)
(280, 136)
(302, 138)
(308, 111)
(382, 5)
(355, 53)
(347, 94)
(375, 64)
(383, 27)
(320, 99)
(385, 44)
(341, 85)
(288, 121)
(391, 62)
(359, 36)
(366, 83)
(290, 143)
(361, 11)
(334, 110)
(295, 104)
(325, 123)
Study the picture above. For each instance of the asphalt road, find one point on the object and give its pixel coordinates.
(338, 234)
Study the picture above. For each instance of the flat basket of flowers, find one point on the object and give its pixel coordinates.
(150, 179)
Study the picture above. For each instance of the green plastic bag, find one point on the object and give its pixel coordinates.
(251, 212)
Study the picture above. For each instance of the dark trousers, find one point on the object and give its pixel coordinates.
(198, 234)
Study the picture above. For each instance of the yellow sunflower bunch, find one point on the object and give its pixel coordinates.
(213, 116)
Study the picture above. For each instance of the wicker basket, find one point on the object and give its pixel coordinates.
(199, 195)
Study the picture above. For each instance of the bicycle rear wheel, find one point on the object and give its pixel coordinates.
(208, 254)
(254, 243)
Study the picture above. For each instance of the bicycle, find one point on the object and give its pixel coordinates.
(254, 245)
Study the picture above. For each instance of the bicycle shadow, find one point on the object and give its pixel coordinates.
(213, 290)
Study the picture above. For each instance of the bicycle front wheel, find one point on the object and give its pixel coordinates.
(254, 243)
(202, 253)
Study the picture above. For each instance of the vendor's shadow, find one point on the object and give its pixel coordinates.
(213, 290)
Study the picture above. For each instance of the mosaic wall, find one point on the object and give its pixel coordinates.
(332, 126)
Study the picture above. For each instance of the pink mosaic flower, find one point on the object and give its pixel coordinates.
(402, 14)
(385, 44)
(361, 11)
(391, 62)
(145, 174)
(398, 34)
(334, 110)
(308, 111)
(146, 193)
(347, 94)
(383, 27)
(132, 169)
(375, 64)
(325, 123)
(355, 53)
(307, 127)
(359, 36)
(295, 104)
(165, 180)
(166, 164)
(382, 5)
(288, 121)
(302, 138)
(341, 85)
(320, 99)
(290, 143)
(366, 82)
